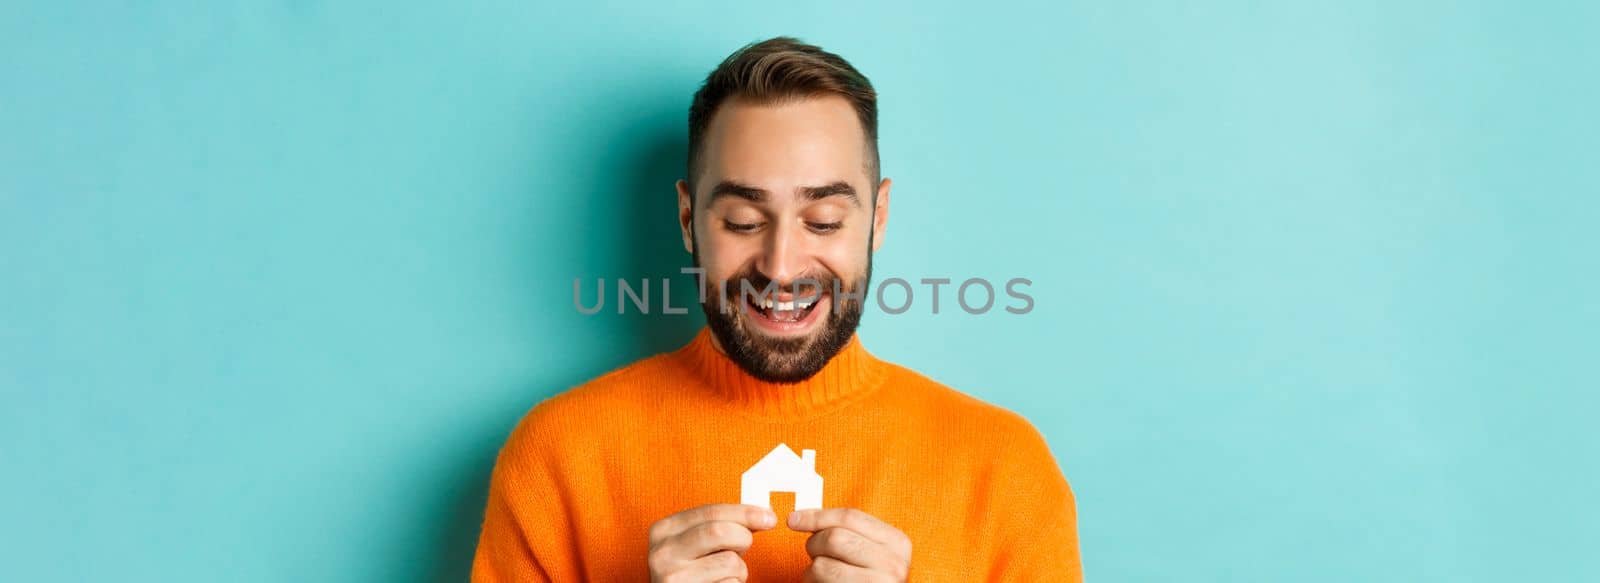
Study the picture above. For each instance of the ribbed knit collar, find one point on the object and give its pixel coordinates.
(850, 374)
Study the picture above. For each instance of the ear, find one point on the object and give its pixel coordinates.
(686, 215)
(880, 214)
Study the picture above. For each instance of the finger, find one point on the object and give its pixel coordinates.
(848, 546)
(708, 538)
(721, 566)
(830, 569)
(752, 517)
(849, 518)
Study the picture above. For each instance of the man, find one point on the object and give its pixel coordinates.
(634, 474)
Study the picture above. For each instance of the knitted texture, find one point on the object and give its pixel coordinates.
(586, 472)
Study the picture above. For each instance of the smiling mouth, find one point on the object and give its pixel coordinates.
(788, 311)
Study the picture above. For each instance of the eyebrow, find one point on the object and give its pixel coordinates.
(840, 188)
(753, 194)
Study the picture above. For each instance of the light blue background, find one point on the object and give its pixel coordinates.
(1316, 282)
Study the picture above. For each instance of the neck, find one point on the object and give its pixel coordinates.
(849, 374)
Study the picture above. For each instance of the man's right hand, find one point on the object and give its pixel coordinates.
(705, 544)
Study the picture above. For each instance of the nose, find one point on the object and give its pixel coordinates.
(783, 258)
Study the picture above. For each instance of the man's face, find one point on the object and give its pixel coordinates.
(784, 196)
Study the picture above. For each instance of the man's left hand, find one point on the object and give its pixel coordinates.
(850, 545)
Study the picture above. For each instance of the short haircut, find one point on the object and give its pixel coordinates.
(777, 70)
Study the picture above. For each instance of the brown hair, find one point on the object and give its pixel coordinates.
(778, 69)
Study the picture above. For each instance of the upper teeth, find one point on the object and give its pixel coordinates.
(789, 305)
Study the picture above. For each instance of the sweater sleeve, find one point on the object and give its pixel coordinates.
(1038, 514)
(523, 515)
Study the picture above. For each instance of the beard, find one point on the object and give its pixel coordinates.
(783, 360)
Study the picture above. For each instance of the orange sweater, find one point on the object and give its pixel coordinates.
(585, 473)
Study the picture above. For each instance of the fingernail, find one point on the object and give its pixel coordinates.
(794, 519)
(767, 519)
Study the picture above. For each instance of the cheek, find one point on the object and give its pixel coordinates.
(722, 255)
(850, 246)
(844, 260)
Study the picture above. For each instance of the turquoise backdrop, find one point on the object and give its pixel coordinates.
(1316, 282)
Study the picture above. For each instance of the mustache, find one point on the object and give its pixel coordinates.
(810, 284)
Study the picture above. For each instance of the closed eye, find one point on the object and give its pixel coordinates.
(825, 228)
(741, 227)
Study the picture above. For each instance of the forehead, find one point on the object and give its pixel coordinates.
(783, 145)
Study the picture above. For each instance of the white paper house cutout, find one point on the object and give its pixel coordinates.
(783, 471)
